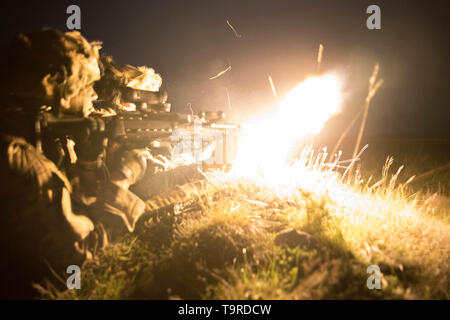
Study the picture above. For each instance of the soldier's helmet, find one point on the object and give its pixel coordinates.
(53, 69)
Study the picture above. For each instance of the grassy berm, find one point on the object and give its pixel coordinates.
(241, 240)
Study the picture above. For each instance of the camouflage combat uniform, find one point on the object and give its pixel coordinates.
(39, 230)
(47, 220)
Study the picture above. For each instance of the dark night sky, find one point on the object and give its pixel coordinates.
(187, 42)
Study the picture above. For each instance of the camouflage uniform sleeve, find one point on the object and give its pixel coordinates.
(43, 181)
(26, 166)
(36, 196)
(118, 209)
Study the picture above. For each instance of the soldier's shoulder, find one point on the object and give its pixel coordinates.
(21, 161)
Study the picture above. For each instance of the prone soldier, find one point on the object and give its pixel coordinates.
(48, 186)
(63, 196)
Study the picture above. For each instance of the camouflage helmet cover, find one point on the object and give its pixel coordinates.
(43, 67)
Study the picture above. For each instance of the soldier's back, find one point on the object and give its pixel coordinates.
(34, 234)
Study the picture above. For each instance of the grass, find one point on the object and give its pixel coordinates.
(225, 244)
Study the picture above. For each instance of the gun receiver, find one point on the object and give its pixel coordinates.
(143, 119)
(140, 128)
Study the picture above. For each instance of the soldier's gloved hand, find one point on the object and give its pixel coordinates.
(89, 142)
(133, 164)
(157, 163)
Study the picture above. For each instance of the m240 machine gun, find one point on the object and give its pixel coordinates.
(143, 119)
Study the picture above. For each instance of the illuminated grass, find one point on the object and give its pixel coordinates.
(222, 247)
(227, 242)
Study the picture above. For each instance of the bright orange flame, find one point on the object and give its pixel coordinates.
(268, 141)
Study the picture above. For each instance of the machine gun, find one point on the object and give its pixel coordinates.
(144, 119)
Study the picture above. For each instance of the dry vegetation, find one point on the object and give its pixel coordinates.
(225, 243)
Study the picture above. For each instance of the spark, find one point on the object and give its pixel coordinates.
(319, 57)
(234, 30)
(221, 73)
(272, 86)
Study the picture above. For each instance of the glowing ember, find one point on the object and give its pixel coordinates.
(147, 80)
(268, 141)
